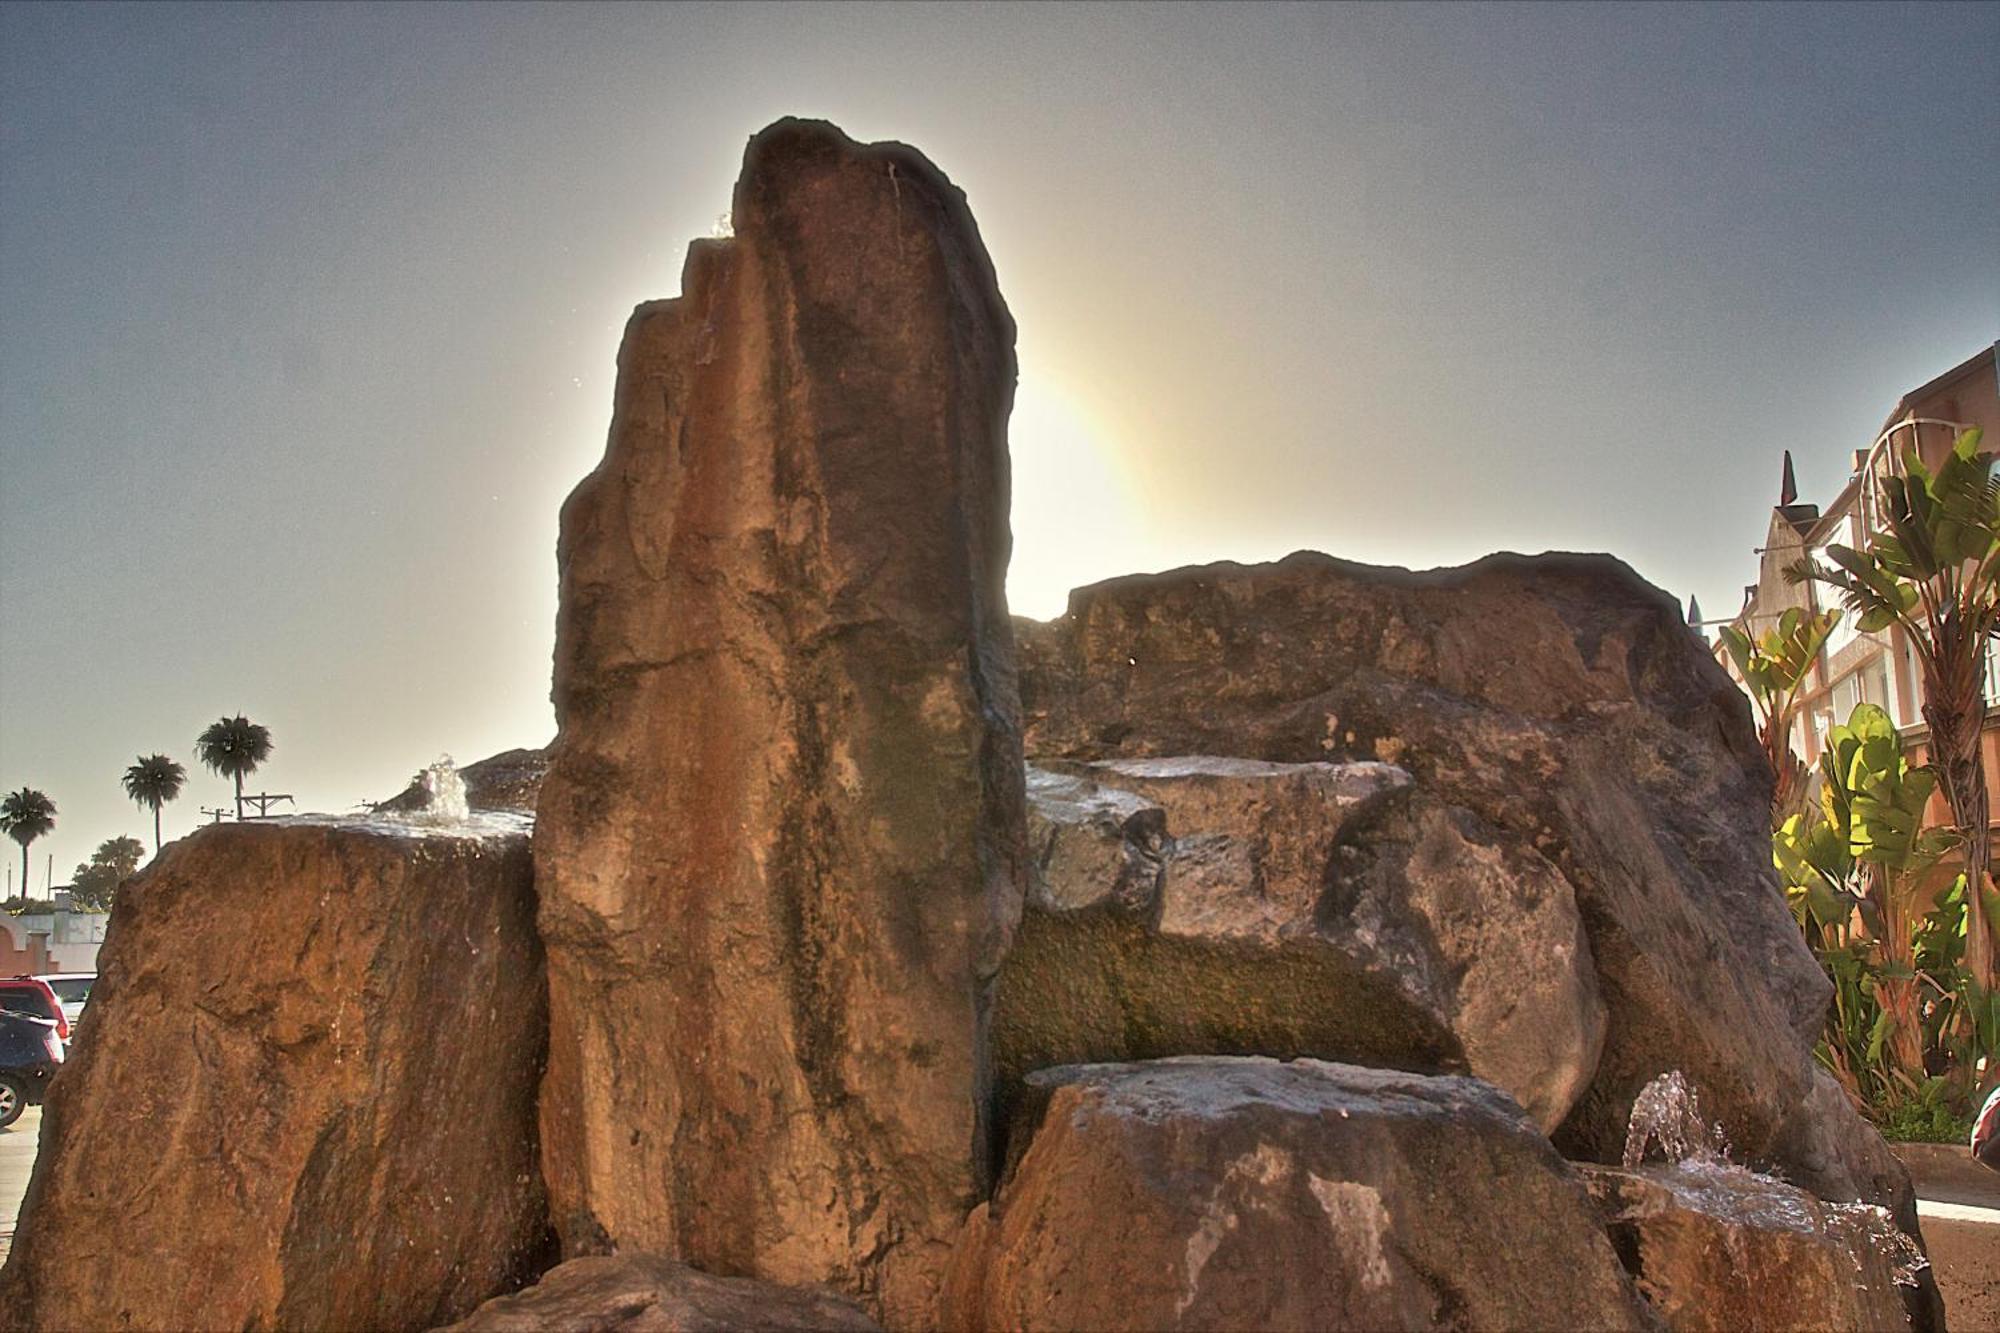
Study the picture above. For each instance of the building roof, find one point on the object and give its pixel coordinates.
(1981, 359)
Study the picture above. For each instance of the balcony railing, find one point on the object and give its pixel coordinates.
(1885, 458)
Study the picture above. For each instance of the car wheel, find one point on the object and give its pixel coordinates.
(13, 1100)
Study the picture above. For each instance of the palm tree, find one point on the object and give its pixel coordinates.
(1935, 571)
(152, 782)
(26, 815)
(1774, 666)
(233, 747)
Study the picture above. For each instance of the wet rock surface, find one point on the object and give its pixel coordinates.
(1205, 905)
(303, 1094)
(1717, 1249)
(640, 1293)
(1828, 1147)
(1216, 1193)
(1566, 737)
(780, 841)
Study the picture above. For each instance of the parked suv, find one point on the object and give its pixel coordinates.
(30, 1054)
(32, 996)
(72, 992)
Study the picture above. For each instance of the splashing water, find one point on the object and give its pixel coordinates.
(447, 792)
(1668, 1112)
(1869, 1227)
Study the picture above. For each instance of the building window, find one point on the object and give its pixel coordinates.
(1844, 633)
(1992, 677)
(1846, 694)
(1913, 670)
(1875, 683)
(1866, 684)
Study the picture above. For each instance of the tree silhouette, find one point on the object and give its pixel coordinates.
(233, 747)
(95, 884)
(152, 782)
(26, 815)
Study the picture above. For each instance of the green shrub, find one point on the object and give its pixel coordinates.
(1929, 1113)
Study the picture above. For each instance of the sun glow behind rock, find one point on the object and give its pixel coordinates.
(1077, 513)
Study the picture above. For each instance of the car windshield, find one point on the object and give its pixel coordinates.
(72, 990)
(26, 1002)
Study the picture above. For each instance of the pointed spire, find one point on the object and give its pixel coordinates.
(1788, 489)
(1694, 611)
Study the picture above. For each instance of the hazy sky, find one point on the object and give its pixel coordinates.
(307, 316)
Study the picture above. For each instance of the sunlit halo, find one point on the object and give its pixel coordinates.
(1077, 516)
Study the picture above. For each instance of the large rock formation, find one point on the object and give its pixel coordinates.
(1228, 1194)
(1201, 905)
(303, 1095)
(1566, 737)
(1506, 820)
(641, 1293)
(1717, 1249)
(779, 845)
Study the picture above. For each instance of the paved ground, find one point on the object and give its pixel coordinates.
(17, 1159)
(1965, 1255)
(1959, 1202)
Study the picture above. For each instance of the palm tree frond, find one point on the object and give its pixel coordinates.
(234, 746)
(26, 815)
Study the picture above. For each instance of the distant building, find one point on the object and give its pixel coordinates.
(58, 941)
(1871, 668)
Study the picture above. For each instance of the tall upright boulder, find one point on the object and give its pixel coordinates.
(780, 842)
(303, 1095)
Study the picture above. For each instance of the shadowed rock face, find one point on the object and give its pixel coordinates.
(640, 1293)
(303, 1095)
(1207, 905)
(780, 839)
(1552, 710)
(1209, 1193)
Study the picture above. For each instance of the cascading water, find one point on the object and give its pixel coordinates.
(1870, 1226)
(1667, 1115)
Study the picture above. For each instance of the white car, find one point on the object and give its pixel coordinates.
(72, 992)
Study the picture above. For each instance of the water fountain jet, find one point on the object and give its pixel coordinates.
(445, 789)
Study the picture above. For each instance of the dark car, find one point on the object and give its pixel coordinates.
(30, 1054)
